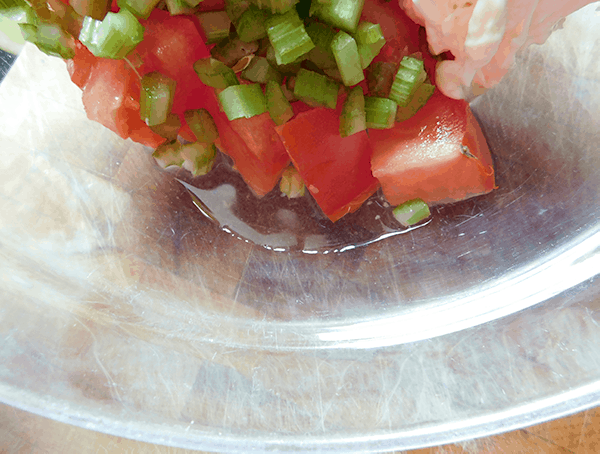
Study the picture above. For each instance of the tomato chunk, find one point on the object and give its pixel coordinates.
(440, 155)
(335, 170)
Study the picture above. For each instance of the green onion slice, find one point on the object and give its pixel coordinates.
(411, 212)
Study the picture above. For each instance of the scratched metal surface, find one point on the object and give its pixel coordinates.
(124, 310)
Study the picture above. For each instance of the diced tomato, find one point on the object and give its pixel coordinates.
(211, 5)
(439, 155)
(80, 66)
(335, 170)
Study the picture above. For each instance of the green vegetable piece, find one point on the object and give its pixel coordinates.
(276, 6)
(156, 98)
(232, 49)
(260, 71)
(179, 7)
(380, 112)
(242, 101)
(278, 106)
(96, 9)
(140, 8)
(411, 212)
(409, 77)
(202, 125)
(215, 74)
(322, 36)
(215, 25)
(235, 8)
(194, 3)
(380, 77)
(353, 118)
(370, 40)
(420, 98)
(18, 11)
(290, 68)
(49, 38)
(292, 184)
(342, 14)
(250, 26)
(170, 128)
(288, 36)
(347, 58)
(316, 89)
(114, 37)
(198, 157)
(168, 154)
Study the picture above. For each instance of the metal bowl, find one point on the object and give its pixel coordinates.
(124, 310)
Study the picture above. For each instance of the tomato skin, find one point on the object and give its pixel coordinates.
(335, 170)
(423, 157)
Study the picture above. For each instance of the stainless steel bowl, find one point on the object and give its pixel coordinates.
(123, 309)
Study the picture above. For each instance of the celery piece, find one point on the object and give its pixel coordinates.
(49, 38)
(278, 106)
(235, 8)
(420, 98)
(168, 154)
(242, 101)
(215, 25)
(288, 37)
(321, 35)
(18, 11)
(250, 26)
(290, 68)
(316, 89)
(380, 113)
(411, 212)
(380, 77)
(276, 6)
(353, 118)
(215, 73)
(260, 71)
(114, 37)
(233, 49)
(170, 128)
(198, 157)
(96, 9)
(347, 58)
(342, 14)
(292, 184)
(156, 98)
(409, 77)
(202, 125)
(140, 8)
(370, 40)
(179, 7)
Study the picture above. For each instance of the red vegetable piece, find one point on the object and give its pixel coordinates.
(80, 66)
(440, 155)
(211, 5)
(335, 170)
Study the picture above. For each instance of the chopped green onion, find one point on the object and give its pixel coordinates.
(276, 6)
(370, 40)
(353, 117)
(141, 8)
(321, 35)
(215, 73)
(114, 37)
(96, 9)
(316, 89)
(380, 112)
(277, 104)
(242, 101)
(198, 157)
(420, 98)
(232, 50)
(179, 7)
(409, 77)
(342, 14)
(170, 128)
(346, 56)
(156, 98)
(202, 125)
(215, 25)
(288, 37)
(49, 38)
(380, 77)
(250, 26)
(291, 183)
(411, 212)
(260, 71)
(168, 154)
